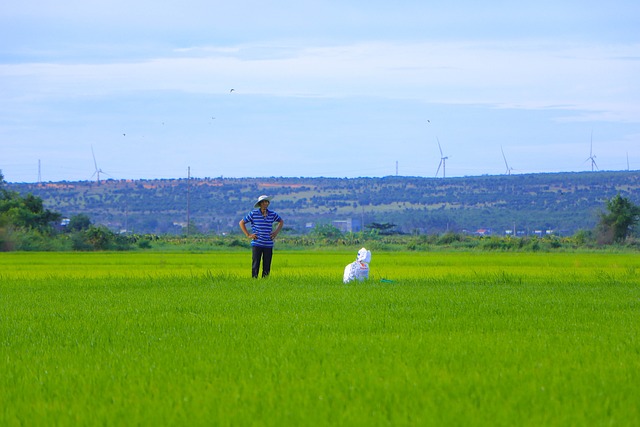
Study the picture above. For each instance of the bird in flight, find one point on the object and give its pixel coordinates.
(231, 90)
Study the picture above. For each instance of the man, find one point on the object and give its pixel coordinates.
(262, 234)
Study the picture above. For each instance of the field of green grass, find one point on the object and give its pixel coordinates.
(487, 339)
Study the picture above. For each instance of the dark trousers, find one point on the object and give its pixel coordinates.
(259, 253)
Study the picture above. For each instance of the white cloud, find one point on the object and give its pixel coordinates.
(524, 75)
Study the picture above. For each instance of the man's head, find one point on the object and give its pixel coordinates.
(262, 201)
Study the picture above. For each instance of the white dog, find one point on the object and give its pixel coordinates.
(359, 269)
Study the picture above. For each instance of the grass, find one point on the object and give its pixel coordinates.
(189, 339)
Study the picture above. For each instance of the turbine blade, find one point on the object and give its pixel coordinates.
(94, 158)
(505, 158)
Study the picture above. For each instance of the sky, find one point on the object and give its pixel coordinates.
(138, 89)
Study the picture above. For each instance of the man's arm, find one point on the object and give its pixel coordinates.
(277, 230)
(243, 227)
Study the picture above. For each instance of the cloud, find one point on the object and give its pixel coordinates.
(530, 74)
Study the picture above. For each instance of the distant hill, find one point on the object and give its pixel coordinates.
(562, 202)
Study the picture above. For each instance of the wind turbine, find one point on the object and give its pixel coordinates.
(508, 172)
(442, 161)
(627, 160)
(98, 171)
(591, 156)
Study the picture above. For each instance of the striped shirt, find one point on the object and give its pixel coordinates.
(262, 226)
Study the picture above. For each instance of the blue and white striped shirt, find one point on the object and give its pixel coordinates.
(262, 226)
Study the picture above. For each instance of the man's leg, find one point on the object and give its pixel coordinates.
(267, 254)
(256, 254)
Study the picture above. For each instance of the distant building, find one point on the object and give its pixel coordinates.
(344, 225)
(483, 232)
(349, 225)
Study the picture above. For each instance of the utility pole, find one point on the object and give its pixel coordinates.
(188, 197)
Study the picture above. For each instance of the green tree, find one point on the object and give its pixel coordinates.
(191, 229)
(100, 237)
(79, 222)
(327, 231)
(26, 212)
(24, 222)
(619, 221)
(384, 229)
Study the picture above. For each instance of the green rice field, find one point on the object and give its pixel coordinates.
(431, 339)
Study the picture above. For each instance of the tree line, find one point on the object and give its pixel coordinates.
(25, 224)
(562, 202)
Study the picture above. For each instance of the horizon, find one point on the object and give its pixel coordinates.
(89, 181)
